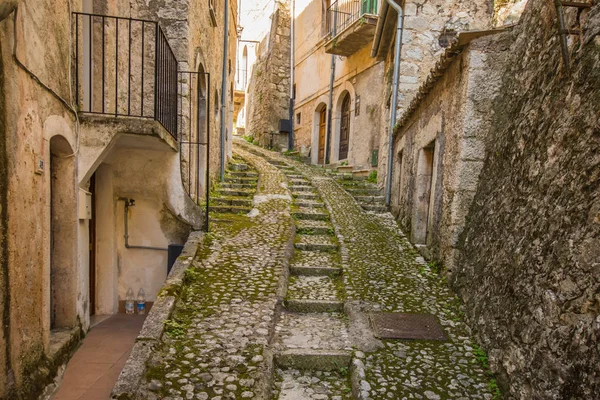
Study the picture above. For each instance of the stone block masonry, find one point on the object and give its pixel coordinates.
(269, 89)
(529, 272)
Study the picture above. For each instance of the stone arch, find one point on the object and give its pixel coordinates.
(63, 234)
(344, 90)
(319, 136)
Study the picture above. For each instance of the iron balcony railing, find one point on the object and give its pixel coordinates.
(125, 67)
(343, 13)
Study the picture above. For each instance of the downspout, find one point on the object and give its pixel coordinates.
(399, 29)
(224, 86)
(131, 203)
(292, 75)
(331, 83)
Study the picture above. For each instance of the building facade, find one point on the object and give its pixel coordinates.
(106, 109)
(337, 84)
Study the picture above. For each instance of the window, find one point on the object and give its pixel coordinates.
(298, 118)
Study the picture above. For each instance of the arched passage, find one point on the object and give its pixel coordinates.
(63, 234)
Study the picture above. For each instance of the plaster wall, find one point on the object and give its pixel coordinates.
(140, 175)
(358, 75)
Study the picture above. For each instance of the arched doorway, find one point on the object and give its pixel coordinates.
(322, 134)
(345, 128)
(63, 234)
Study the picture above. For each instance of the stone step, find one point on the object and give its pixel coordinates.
(294, 175)
(237, 186)
(239, 167)
(370, 199)
(316, 243)
(300, 182)
(309, 204)
(314, 306)
(311, 331)
(286, 167)
(316, 259)
(244, 202)
(345, 168)
(292, 384)
(235, 192)
(238, 179)
(319, 360)
(276, 162)
(306, 195)
(308, 227)
(301, 188)
(361, 173)
(243, 174)
(363, 192)
(378, 208)
(321, 288)
(315, 271)
(229, 209)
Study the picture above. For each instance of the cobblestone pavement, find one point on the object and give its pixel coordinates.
(383, 272)
(215, 346)
(269, 314)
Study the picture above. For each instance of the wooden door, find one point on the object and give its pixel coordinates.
(322, 130)
(345, 128)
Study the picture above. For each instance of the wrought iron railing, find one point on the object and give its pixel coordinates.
(343, 13)
(125, 67)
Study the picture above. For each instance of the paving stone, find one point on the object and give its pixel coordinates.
(314, 288)
(308, 227)
(293, 384)
(316, 243)
(310, 213)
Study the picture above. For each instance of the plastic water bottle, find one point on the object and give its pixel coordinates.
(141, 302)
(129, 302)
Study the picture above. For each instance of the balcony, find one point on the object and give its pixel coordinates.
(351, 26)
(126, 76)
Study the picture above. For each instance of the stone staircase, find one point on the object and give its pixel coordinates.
(234, 195)
(367, 194)
(312, 347)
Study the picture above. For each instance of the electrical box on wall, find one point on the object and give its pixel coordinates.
(85, 204)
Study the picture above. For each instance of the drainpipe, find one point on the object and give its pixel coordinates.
(292, 77)
(331, 82)
(388, 185)
(7, 7)
(224, 86)
(131, 203)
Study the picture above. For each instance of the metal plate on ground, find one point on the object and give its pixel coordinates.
(406, 326)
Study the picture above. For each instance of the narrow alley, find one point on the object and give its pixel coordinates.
(280, 302)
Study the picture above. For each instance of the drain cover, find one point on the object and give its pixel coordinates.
(406, 326)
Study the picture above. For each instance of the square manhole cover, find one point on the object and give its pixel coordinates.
(406, 326)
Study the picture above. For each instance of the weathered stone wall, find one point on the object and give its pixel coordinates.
(268, 98)
(31, 117)
(4, 283)
(452, 122)
(424, 24)
(529, 273)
